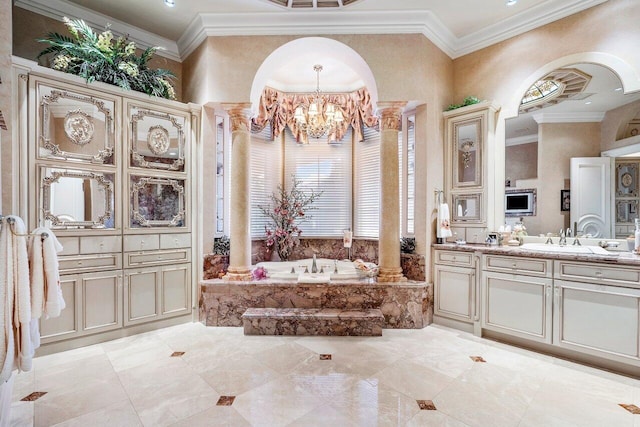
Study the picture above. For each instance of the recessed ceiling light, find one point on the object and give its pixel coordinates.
(587, 103)
(511, 2)
(618, 89)
(170, 3)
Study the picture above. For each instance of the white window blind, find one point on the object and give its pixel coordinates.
(411, 175)
(366, 215)
(220, 167)
(327, 168)
(266, 174)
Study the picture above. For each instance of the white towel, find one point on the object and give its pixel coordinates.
(46, 286)
(443, 229)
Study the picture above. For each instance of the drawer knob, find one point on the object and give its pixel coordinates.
(599, 273)
(79, 262)
(454, 258)
(514, 265)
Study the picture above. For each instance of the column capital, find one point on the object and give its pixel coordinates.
(239, 115)
(390, 114)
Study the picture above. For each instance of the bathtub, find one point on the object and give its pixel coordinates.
(294, 270)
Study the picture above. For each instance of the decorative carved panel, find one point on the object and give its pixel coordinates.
(627, 179)
(74, 126)
(157, 140)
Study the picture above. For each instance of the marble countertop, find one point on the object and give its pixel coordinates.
(618, 258)
(293, 283)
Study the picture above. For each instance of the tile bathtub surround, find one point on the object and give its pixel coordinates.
(281, 381)
(214, 265)
(404, 305)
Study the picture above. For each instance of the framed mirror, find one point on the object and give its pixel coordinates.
(626, 211)
(466, 207)
(73, 126)
(157, 140)
(157, 202)
(77, 199)
(627, 179)
(467, 153)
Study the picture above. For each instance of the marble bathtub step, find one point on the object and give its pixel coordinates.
(312, 321)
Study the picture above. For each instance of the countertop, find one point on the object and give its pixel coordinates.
(616, 258)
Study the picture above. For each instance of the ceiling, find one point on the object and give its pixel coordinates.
(457, 27)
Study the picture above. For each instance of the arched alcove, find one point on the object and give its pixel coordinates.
(290, 68)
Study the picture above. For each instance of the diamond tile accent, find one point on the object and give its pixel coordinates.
(33, 396)
(631, 408)
(226, 400)
(426, 405)
(325, 357)
(478, 359)
(177, 354)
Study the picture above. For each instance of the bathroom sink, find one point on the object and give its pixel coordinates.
(569, 249)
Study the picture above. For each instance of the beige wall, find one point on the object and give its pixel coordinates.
(405, 67)
(6, 171)
(615, 123)
(521, 162)
(29, 26)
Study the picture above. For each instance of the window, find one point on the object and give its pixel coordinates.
(366, 192)
(540, 89)
(327, 168)
(220, 175)
(266, 174)
(408, 218)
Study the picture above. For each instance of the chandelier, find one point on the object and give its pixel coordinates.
(317, 121)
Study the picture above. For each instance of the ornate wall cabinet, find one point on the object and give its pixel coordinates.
(627, 196)
(471, 156)
(108, 172)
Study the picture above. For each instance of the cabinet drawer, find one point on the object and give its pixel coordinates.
(141, 242)
(517, 265)
(462, 259)
(70, 246)
(180, 240)
(598, 273)
(92, 262)
(100, 244)
(159, 257)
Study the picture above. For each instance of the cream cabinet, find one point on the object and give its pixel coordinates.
(473, 163)
(517, 296)
(109, 172)
(455, 286)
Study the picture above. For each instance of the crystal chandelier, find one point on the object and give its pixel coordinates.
(315, 121)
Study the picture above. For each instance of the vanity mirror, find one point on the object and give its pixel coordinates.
(77, 199)
(75, 126)
(157, 140)
(585, 114)
(467, 207)
(467, 153)
(157, 202)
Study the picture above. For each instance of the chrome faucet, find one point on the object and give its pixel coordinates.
(563, 238)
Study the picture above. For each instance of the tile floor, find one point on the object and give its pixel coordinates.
(430, 377)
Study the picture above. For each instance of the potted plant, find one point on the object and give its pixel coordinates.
(288, 209)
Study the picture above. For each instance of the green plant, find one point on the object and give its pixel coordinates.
(469, 100)
(407, 245)
(288, 210)
(221, 245)
(100, 57)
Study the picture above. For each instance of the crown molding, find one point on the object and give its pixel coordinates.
(315, 23)
(568, 117)
(527, 20)
(57, 9)
(526, 139)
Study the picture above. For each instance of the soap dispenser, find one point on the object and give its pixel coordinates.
(637, 236)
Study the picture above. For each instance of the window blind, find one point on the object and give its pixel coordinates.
(366, 215)
(266, 173)
(327, 168)
(411, 175)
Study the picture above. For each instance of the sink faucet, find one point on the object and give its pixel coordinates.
(563, 238)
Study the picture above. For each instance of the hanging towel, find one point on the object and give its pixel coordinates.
(443, 230)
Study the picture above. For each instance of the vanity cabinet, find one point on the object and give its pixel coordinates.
(597, 310)
(517, 296)
(472, 157)
(455, 286)
(109, 173)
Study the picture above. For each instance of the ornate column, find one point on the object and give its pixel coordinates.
(240, 195)
(390, 114)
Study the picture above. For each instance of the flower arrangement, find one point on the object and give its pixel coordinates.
(288, 211)
(103, 58)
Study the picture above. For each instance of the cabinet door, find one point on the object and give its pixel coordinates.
(102, 296)
(517, 305)
(176, 290)
(455, 292)
(598, 319)
(142, 295)
(67, 324)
